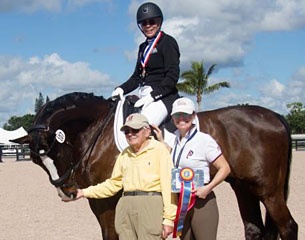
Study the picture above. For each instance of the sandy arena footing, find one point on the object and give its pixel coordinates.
(30, 208)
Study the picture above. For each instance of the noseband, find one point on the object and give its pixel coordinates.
(73, 166)
(42, 152)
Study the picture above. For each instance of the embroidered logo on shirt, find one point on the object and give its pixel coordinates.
(190, 153)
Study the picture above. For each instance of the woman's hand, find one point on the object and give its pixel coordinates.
(159, 136)
(223, 170)
(158, 133)
(202, 192)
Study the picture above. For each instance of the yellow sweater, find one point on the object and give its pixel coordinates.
(148, 170)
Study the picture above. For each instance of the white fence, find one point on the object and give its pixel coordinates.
(20, 152)
(298, 141)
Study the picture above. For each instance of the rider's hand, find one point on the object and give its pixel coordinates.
(144, 101)
(118, 92)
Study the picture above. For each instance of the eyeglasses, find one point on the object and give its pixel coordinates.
(148, 22)
(185, 116)
(132, 130)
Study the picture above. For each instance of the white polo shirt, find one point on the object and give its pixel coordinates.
(196, 150)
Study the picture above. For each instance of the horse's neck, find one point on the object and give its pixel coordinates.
(85, 115)
(97, 146)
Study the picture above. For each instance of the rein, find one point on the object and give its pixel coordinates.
(73, 166)
(102, 127)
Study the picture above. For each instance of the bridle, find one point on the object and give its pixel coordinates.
(41, 153)
(46, 129)
(70, 172)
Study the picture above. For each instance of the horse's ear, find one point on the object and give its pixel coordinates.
(21, 140)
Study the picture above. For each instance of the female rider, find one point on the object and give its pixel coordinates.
(157, 68)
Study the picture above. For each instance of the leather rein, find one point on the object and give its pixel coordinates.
(70, 172)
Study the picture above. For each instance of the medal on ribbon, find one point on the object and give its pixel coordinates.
(186, 199)
(148, 50)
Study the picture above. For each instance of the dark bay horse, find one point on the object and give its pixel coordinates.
(72, 140)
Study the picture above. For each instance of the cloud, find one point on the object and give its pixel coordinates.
(285, 15)
(222, 31)
(22, 80)
(80, 3)
(30, 6)
(53, 71)
(296, 86)
(273, 89)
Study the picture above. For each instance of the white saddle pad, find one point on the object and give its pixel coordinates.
(119, 136)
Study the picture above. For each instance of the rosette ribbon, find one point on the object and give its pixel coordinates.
(186, 199)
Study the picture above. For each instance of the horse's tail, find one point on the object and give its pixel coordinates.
(289, 157)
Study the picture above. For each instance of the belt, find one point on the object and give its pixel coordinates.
(141, 193)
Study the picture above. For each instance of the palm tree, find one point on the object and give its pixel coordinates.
(196, 81)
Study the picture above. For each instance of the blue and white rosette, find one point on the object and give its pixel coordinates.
(186, 199)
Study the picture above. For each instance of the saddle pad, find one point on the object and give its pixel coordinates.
(119, 137)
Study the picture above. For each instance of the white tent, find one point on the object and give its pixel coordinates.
(6, 136)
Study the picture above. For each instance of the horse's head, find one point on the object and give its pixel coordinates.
(53, 151)
(54, 136)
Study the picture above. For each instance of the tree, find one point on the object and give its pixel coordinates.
(39, 102)
(196, 81)
(25, 121)
(15, 122)
(296, 117)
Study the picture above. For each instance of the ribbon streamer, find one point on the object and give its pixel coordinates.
(186, 199)
(149, 50)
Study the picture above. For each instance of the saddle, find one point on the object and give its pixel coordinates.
(128, 106)
(125, 107)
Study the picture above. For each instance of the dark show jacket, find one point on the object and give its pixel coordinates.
(161, 72)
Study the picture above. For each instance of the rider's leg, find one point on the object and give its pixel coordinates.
(155, 112)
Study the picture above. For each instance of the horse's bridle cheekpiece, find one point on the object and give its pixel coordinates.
(58, 136)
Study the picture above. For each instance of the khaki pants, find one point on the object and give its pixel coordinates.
(139, 217)
(201, 222)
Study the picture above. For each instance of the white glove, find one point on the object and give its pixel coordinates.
(118, 92)
(144, 101)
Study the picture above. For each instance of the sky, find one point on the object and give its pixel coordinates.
(62, 46)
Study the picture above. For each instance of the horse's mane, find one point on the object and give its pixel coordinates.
(69, 101)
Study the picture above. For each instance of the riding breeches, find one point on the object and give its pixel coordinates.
(201, 221)
(156, 111)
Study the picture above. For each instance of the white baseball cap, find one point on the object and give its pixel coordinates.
(184, 105)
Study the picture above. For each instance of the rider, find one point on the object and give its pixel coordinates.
(157, 67)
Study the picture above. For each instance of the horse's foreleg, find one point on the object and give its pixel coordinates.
(281, 217)
(106, 220)
(104, 210)
(250, 213)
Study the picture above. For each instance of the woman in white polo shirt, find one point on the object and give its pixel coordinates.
(197, 150)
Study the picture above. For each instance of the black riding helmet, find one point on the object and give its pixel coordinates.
(147, 11)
